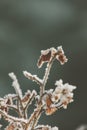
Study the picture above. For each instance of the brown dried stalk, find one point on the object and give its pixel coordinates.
(47, 101)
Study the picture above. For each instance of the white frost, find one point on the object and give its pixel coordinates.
(60, 49)
(15, 84)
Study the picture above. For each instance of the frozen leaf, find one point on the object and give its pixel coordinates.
(47, 102)
(61, 57)
(50, 110)
(46, 56)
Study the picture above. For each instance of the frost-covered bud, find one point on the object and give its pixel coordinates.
(64, 92)
(55, 97)
(59, 87)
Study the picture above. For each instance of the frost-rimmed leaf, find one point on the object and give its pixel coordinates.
(47, 55)
(61, 56)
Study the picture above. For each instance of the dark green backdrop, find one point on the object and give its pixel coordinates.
(26, 27)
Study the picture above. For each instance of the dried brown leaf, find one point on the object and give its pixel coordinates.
(44, 58)
(50, 111)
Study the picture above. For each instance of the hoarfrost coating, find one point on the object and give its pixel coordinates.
(47, 101)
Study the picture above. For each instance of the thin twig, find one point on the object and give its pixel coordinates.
(15, 84)
(34, 117)
(15, 119)
(33, 77)
(13, 107)
(28, 104)
(45, 78)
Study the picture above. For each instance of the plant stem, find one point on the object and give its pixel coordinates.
(46, 75)
(37, 113)
(15, 119)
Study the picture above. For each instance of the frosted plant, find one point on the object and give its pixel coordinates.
(48, 101)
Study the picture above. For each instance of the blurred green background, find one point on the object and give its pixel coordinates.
(26, 27)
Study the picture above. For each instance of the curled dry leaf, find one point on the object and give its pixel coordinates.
(47, 101)
(50, 110)
(61, 57)
(47, 55)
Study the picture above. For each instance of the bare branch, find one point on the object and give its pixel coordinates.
(13, 107)
(45, 78)
(32, 77)
(11, 118)
(30, 99)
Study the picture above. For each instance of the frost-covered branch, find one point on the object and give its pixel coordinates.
(16, 85)
(11, 118)
(48, 101)
(32, 77)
